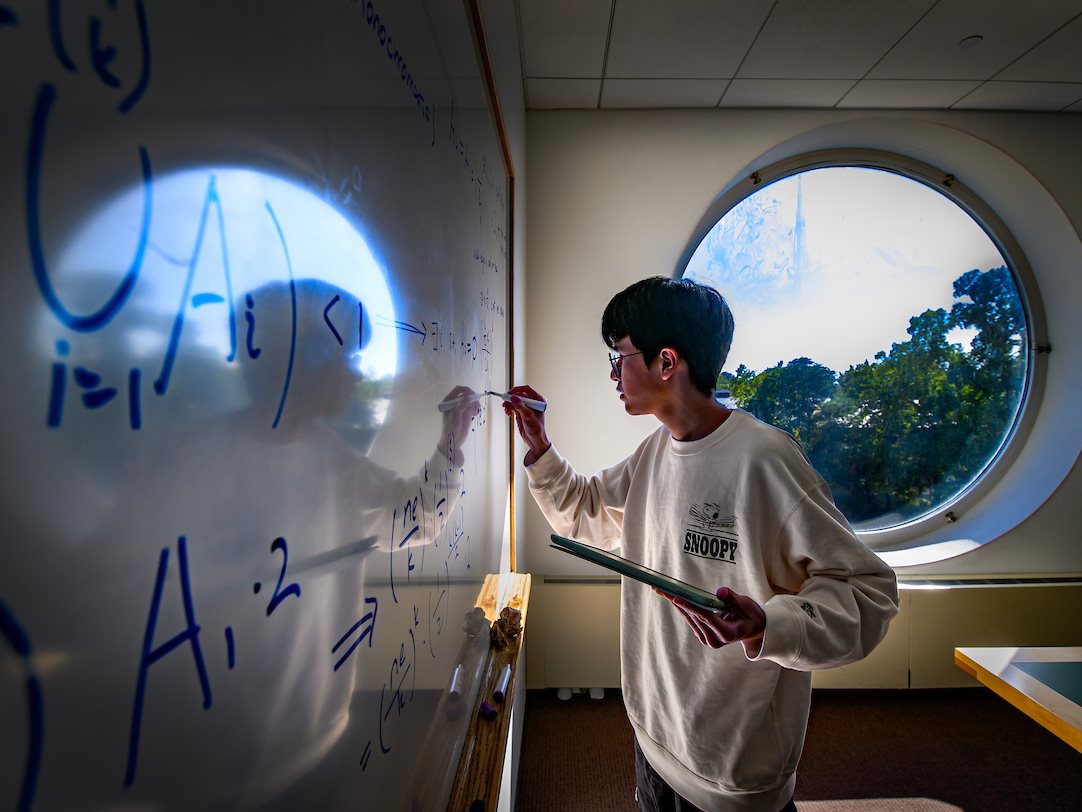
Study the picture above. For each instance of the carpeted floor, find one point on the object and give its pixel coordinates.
(866, 751)
(577, 754)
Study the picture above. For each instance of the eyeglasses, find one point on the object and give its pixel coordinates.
(617, 361)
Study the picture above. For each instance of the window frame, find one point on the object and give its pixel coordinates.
(909, 533)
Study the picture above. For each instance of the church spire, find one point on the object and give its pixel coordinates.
(799, 251)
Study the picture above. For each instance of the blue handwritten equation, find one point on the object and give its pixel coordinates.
(485, 186)
(17, 640)
(473, 344)
(189, 636)
(491, 304)
(427, 529)
(421, 518)
(78, 375)
(387, 42)
(395, 694)
(95, 392)
(98, 63)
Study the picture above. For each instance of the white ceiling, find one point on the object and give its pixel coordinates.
(610, 54)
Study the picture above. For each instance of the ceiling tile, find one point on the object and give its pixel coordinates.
(1022, 96)
(802, 53)
(653, 93)
(692, 39)
(565, 38)
(785, 92)
(828, 39)
(1009, 28)
(906, 93)
(555, 94)
(1057, 59)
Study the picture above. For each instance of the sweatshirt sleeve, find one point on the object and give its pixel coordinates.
(587, 508)
(844, 596)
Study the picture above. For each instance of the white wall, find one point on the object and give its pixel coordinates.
(917, 652)
(615, 196)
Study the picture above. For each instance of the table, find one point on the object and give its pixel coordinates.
(1045, 683)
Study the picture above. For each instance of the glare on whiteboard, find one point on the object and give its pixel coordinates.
(219, 218)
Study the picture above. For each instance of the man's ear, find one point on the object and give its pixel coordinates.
(669, 360)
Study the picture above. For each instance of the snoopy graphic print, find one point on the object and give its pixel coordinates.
(711, 535)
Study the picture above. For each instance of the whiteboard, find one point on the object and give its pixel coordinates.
(249, 247)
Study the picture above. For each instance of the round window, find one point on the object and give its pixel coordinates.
(880, 323)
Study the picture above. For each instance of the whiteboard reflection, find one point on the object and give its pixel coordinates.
(213, 233)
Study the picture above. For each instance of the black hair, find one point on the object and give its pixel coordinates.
(689, 317)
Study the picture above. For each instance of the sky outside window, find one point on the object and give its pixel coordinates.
(832, 263)
(878, 323)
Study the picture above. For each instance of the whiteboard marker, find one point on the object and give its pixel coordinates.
(447, 405)
(499, 693)
(536, 405)
(454, 692)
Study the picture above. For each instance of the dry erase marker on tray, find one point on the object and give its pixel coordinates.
(499, 693)
(456, 704)
(536, 405)
(454, 692)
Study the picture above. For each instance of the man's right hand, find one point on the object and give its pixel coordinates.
(530, 422)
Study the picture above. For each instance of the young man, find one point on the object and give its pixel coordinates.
(712, 497)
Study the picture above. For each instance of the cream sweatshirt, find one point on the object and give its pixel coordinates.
(741, 508)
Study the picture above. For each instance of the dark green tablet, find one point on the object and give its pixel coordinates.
(692, 594)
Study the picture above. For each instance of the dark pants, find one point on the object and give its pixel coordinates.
(654, 795)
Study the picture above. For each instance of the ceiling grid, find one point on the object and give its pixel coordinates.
(927, 54)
